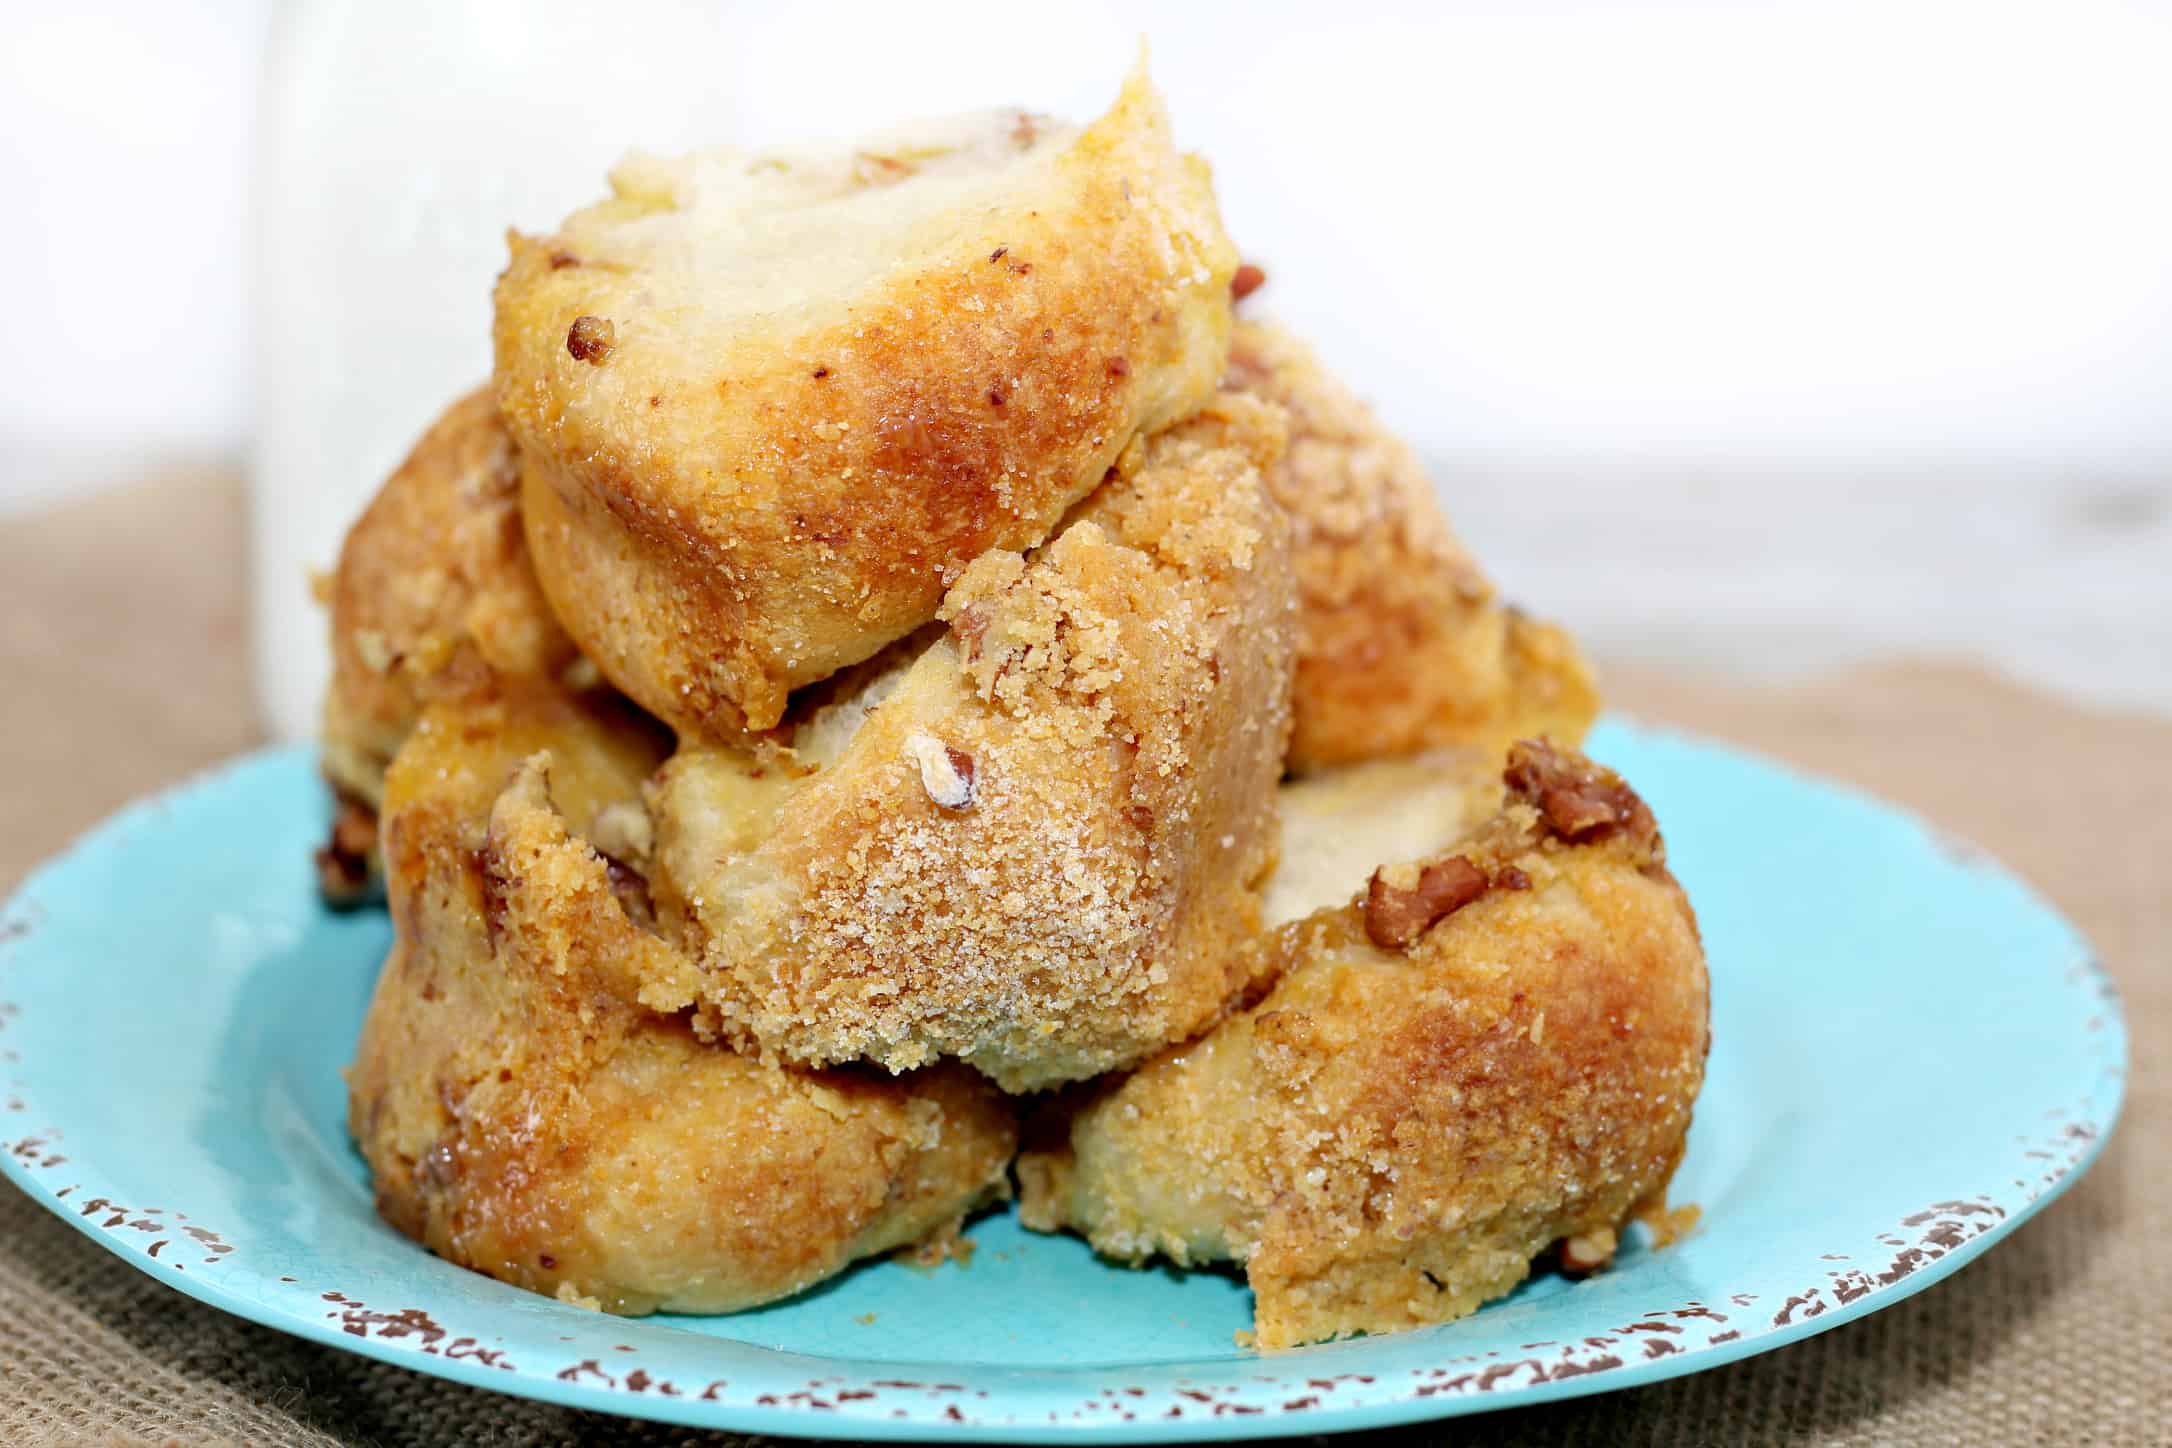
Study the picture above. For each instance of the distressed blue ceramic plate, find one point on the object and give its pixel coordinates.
(1912, 1055)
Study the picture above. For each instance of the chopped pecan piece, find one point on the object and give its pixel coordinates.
(971, 625)
(870, 168)
(440, 1165)
(493, 881)
(344, 860)
(946, 771)
(1248, 279)
(590, 339)
(1588, 1252)
(1404, 901)
(1577, 799)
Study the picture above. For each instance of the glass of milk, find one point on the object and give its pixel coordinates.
(399, 140)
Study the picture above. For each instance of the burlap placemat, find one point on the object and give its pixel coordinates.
(121, 644)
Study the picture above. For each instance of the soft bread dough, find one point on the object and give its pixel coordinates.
(1033, 842)
(771, 405)
(1339, 824)
(525, 1114)
(1393, 1133)
(1404, 645)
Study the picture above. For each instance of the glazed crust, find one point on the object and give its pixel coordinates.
(735, 490)
(524, 1110)
(1404, 645)
(1393, 1133)
(1042, 844)
(433, 594)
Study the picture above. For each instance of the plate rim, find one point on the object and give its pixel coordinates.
(2107, 1095)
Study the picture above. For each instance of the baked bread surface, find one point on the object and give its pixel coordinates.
(1404, 644)
(528, 1089)
(1035, 842)
(771, 405)
(1489, 1052)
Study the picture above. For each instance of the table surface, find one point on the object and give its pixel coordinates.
(122, 641)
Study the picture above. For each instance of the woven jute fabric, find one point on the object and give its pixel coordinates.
(122, 651)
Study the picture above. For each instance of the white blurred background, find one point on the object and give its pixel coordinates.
(1743, 337)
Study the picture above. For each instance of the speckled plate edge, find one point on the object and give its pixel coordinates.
(1669, 1340)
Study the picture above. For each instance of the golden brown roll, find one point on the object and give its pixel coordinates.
(1033, 842)
(771, 405)
(1403, 645)
(1488, 1052)
(526, 1115)
(433, 594)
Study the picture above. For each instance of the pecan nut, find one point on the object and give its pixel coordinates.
(590, 339)
(1588, 1252)
(1402, 902)
(946, 771)
(1578, 800)
(345, 860)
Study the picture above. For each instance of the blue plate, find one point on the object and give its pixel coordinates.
(1912, 1055)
